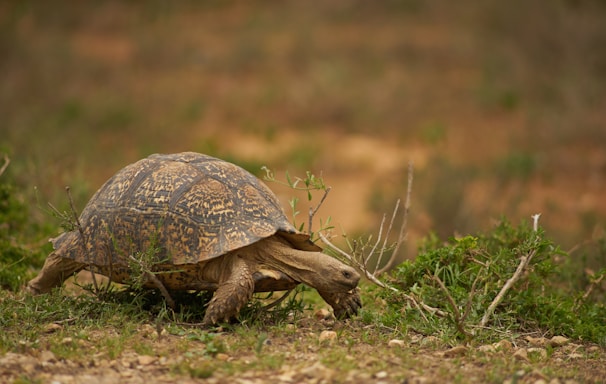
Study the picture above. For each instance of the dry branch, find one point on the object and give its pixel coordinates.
(355, 263)
(152, 277)
(524, 261)
(403, 233)
(5, 165)
(313, 211)
(82, 236)
(594, 283)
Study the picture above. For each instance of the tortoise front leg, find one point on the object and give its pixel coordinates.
(344, 304)
(234, 291)
(55, 271)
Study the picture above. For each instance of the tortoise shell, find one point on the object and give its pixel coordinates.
(190, 207)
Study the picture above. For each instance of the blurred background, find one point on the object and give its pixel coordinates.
(500, 105)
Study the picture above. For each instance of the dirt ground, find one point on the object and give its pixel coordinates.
(313, 351)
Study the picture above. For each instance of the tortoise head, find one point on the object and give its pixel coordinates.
(316, 269)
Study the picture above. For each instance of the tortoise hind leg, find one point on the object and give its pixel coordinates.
(234, 291)
(344, 304)
(56, 269)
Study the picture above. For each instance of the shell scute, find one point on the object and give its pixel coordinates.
(190, 207)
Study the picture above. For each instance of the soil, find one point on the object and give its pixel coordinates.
(313, 351)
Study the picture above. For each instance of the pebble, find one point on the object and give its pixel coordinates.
(558, 341)
(395, 343)
(146, 359)
(503, 345)
(537, 341)
(459, 350)
(47, 357)
(521, 354)
(328, 336)
(323, 314)
(222, 356)
(52, 327)
(381, 375)
(487, 348)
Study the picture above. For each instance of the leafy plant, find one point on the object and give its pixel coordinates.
(481, 286)
(308, 184)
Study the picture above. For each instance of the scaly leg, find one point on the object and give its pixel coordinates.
(234, 291)
(55, 271)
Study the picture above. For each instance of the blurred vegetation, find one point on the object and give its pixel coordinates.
(17, 255)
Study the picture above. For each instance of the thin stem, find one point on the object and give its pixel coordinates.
(7, 161)
(313, 211)
(403, 232)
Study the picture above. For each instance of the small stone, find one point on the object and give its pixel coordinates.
(146, 359)
(558, 341)
(328, 337)
(503, 345)
(575, 356)
(315, 371)
(222, 356)
(395, 343)
(323, 314)
(459, 350)
(67, 340)
(52, 327)
(521, 354)
(487, 348)
(381, 375)
(47, 357)
(537, 341)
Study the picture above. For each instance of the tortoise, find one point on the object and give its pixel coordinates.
(210, 225)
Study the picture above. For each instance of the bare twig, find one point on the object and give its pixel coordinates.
(313, 211)
(403, 232)
(277, 301)
(374, 248)
(352, 260)
(535, 221)
(375, 280)
(152, 277)
(458, 319)
(82, 236)
(384, 247)
(524, 261)
(594, 283)
(7, 161)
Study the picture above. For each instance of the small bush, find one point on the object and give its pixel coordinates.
(460, 278)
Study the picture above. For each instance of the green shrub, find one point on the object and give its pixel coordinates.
(450, 286)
